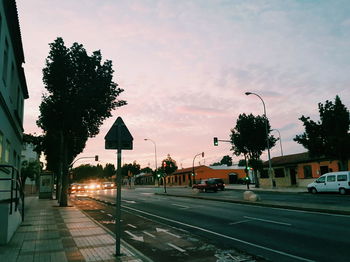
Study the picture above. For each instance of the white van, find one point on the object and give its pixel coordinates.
(331, 182)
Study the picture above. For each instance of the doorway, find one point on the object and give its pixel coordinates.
(293, 176)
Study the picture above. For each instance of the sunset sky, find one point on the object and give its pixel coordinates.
(185, 66)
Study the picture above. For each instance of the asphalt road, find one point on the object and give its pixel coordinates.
(274, 234)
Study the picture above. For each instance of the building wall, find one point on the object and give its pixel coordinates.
(13, 91)
(203, 172)
(302, 179)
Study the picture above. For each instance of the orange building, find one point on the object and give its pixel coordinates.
(230, 174)
(297, 170)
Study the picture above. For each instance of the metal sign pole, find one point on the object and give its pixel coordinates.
(118, 229)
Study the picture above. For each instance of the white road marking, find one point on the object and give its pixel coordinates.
(176, 247)
(224, 236)
(110, 215)
(149, 234)
(239, 222)
(129, 201)
(134, 236)
(130, 225)
(269, 221)
(103, 211)
(166, 231)
(184, 207)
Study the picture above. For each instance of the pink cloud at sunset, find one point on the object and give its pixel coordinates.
(185, 66)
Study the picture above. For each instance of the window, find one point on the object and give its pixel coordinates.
(307, 171)
(5, 64)
(322, 179)
(331, 178)
(1, 140)
(184, 178)
(279, 172)
(264, 173)
(7, 152)
(342, 178)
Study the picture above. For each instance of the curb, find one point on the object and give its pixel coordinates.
(311, 209)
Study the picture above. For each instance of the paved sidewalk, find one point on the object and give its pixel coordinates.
(52, 233)
(268, 189)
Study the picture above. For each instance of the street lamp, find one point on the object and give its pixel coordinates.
(194, 177)
(155, 153)
(279, 134)
(267, 137)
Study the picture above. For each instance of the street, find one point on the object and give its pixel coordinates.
(187, 229)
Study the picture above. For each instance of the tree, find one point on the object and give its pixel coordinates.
(147, 170)
(130, 169)
(328, 137)
(109, 171)
(81, 94)
(226, 160)
(249, 138)
(169, 166)
(30, 169)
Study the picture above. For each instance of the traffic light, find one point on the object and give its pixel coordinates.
(216, 143)
(164, 164)
(96, 158)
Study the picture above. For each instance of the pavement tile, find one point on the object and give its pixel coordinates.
(52, 234)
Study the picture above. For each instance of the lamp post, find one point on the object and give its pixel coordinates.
(267, 137)
(279, 134)
(155, 154)
(194, 177)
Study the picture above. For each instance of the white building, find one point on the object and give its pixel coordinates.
(13, 91)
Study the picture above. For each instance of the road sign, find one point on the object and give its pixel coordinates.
(126, 139)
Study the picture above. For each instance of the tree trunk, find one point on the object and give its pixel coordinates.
(257, 184)
(64, 190)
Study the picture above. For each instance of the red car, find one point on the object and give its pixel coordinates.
(206, 185)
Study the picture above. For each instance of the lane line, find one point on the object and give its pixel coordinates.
(269, 221)
(181, 206)
(110, 215)
(176, 247)
(149, 234)
(103, 211)
(130, 225)
(239, 222)
(224, 236)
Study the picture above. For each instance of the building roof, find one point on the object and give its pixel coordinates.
(190, 169)
(11, 14)
(292, 159)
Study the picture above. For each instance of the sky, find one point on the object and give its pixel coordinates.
(185, 66)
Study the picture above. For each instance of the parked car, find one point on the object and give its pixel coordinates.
(108, 185)
(206, 185)
(220, 182)
(331, 182)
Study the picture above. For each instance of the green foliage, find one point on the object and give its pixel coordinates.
(80, 95)
(109, 171)
(37, 141)
(226, 160)
(169, 165)
(147, 170)
(249, 136)
(329, 136)
(30, 170)
(130, 169)
(241, 162)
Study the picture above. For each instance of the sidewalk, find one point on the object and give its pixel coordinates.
(52, 233)
(276, 189)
